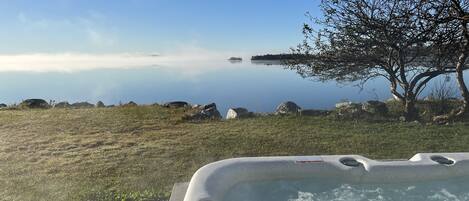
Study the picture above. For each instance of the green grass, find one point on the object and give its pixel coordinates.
(138, 153)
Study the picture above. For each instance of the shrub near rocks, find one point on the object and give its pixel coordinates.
(375, 107)
(349, 109)
(100, 104)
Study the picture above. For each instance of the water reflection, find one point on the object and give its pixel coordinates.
(234, 61)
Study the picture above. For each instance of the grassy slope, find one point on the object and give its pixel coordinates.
(63, 154)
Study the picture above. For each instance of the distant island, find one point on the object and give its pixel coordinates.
(235, 59)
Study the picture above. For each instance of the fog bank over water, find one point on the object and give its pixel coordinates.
(187, 58)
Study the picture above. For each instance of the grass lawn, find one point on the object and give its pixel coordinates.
(138, 153)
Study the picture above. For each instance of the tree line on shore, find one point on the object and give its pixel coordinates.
(408, 42)
(281, 57)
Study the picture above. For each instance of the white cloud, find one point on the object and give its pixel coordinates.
(99, 39)
(92, 26)
(32, 23)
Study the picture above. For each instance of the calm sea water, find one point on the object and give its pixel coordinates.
(258, 87)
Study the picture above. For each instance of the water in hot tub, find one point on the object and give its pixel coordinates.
(322, 190)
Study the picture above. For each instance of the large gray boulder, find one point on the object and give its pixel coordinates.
(63, 104)
(288, 107)
(205, 112)
(209, 106)
(343, 104)
(100, 104)
(82, 105)
(34, 104)
(375, 107)
(176, 104)
(349, 109)
(238, 113)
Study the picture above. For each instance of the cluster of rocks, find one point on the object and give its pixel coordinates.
(42, 104)
(204, 112)
(350, 109)
(176, 104)
(238, 113)
(210, 111)
(290, 107)
(198, 112)
(346, 109)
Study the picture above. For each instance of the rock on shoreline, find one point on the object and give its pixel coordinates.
(34, 104)
(238, 113)
(82, 105)
(176, 104)
(205, 112)
(130, 104)
(63, 104)
(211, 112)
(288, 107)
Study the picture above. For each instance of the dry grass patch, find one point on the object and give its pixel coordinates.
(137, 153)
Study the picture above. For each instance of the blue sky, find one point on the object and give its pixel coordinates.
(116, 26)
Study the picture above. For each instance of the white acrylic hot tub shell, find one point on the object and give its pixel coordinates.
(211, 182)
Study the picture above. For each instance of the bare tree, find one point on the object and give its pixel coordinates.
(453, 21)
(365, 39)
(459, 12)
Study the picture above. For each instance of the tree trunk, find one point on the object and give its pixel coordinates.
(459, 113)
(410, 112)
(394, 92)
(460, 65)
(460, 72)
(462, 85)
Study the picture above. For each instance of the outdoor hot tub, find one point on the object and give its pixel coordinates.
(439, 176)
